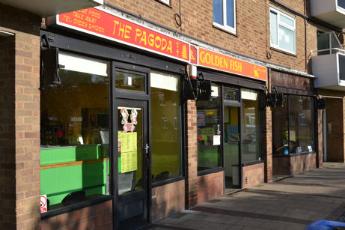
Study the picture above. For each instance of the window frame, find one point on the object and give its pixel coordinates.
(225, 26)
(165, 2)
(182, 127)
(280, 23)
(93, 200)
(287, 110)
(219, 167)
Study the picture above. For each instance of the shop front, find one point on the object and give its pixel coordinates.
(112, 121)
(294, 124)
(230, 127)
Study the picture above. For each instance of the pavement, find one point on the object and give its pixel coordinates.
(289, 204)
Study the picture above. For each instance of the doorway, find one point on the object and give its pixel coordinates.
(231, 144)
(133, 159)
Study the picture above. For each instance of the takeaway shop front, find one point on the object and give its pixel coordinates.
(230, 126)
(112, 122)
(116, 129)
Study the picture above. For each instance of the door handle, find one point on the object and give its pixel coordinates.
(147, 150)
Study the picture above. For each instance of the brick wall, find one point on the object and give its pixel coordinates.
(302, 163)
(97, 217)
(210, 186)
(252, 35)
(192, 157)
(293, 164)
(252, 175)
(23, 103)
(168, 199)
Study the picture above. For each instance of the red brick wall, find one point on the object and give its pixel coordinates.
(210, 186)
(97, 217)
(302, 163)
(293, 164)
(192, 156)
(252, 175)
(168, 199)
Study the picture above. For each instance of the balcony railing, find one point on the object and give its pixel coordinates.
(330, 11)
(328, 62)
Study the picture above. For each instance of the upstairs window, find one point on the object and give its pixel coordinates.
(224, 15)
(282, 31)
(166, 2)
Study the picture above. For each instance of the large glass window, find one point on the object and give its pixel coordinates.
(209, 131)
(165, 126)
(74, 152)
(282, 31)
(293, 126)
(224, 14)
(250, 144)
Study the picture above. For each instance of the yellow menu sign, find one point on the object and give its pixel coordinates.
(128, 150)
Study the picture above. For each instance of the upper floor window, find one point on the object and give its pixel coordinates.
(166, 2)
(224, 15)
(341, 3)
(282, 31)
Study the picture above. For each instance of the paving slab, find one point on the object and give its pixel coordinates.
(289, 204)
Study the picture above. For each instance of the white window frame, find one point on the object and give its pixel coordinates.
(339, 8)
(280, 23)
(166, 2)
(226, 27)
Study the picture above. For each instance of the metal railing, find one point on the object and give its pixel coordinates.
(328, 43)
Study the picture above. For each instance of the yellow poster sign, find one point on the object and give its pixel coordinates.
(128, 151)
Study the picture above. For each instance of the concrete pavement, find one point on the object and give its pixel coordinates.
(289, 204)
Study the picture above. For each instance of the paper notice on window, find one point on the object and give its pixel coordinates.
(128, 151)
(310, 149)
(216, 139)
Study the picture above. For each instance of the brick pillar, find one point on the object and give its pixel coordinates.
(19, 120)
(268, 146)
(27, 115)
(319, 128)
(192, 157)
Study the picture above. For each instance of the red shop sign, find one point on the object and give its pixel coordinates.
(101, 23)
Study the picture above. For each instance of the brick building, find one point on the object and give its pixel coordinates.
(104, 122)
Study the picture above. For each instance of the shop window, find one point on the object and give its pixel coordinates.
(282, 31)
(209, 131)
(251, 135)
(166, 131)
(74, 154)
(224, 15)
(293, 126)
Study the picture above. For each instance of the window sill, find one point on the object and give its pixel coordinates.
(167, 181)
(228, 30)
(76, 206)
(252, 163)
(294, 154)
(277, 49)
(210, 171)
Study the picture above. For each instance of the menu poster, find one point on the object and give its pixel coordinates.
(128, 151)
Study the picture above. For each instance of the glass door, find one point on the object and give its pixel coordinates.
(231, 144)
(132, 159)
